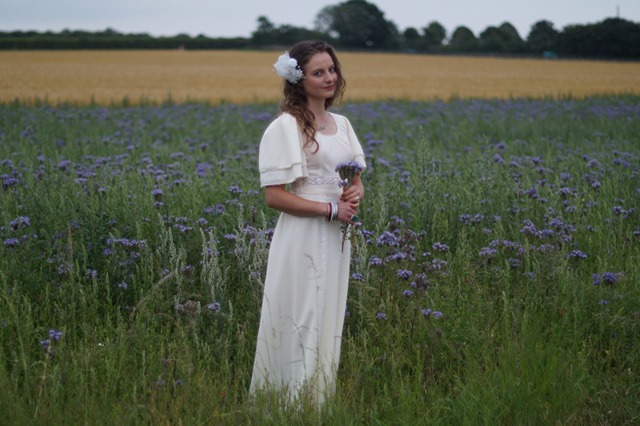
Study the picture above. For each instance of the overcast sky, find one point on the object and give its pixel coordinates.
(230, 18)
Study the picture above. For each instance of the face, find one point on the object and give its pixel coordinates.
(320, 77)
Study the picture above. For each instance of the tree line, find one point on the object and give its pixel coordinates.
(360, 25)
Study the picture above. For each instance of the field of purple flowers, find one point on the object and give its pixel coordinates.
(495, 277)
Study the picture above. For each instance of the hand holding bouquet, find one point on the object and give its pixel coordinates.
(347, 172)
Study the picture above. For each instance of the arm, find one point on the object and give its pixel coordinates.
(277, 197)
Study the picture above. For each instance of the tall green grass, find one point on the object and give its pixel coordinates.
(472, 301)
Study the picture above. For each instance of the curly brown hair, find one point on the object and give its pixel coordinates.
(295, 97)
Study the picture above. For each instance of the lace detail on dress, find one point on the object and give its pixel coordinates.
(316, 180)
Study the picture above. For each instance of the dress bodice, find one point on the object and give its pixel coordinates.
(322, 159)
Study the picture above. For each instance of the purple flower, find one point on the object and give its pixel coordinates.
(20, 222)
(487, 252)
(381, 316)
(610, 277)
(375, 261)
(157, 194)
(357, 276)
(214, 307)
(64, 165)
(217, 209)
(407, 293)
(597, 280)
(438, 246)
(55, 335)
(577, 254)
(11, 242)
(404, 274)
(529, 228)
(350, 168)
(427, 313)
(388, 239)
(235, 190)
(9, 182)
(183, 229)
(618, 210)
(64, 269)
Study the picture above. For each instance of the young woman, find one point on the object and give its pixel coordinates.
(305, 290)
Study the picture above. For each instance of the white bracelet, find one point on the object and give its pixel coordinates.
(334, 211)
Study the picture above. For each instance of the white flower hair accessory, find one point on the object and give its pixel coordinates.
(287, 68)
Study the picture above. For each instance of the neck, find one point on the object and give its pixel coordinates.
(317, 108)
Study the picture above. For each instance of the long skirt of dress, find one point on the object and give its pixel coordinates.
(303, 306)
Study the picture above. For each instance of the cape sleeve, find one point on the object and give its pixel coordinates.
(356, 148)
(281, 159)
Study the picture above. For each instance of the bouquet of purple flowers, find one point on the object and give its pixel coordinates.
(347, 171)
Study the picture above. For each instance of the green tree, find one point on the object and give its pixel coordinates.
(434, 35)
(513, 43)
(542, 37)
(463, 40)
(265, 34)
(412, 40)
(358, 24)
(611, 38)
(502, 39)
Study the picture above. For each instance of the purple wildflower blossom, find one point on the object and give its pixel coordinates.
(11, 242)
(235, 190)
(214, 307)
(357, 276)
(405, 274)
(438, 246)
(375, 261)
(577, 254)
(610, 277)
(487, 252)
(9, 182)
(20, 222)
(55, 335)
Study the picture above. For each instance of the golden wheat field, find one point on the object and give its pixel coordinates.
(105, 77)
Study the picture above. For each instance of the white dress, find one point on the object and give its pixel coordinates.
(305, 291)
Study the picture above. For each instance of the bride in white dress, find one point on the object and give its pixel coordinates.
(305, 291)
